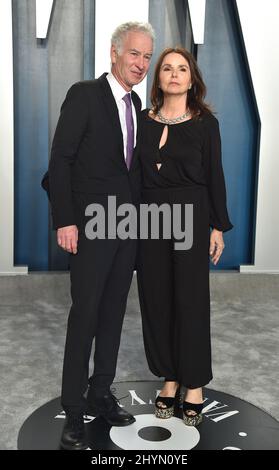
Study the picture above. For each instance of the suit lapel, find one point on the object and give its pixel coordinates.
(136, 103)
(113, 116)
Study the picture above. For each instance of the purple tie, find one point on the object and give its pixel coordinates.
(130, 129)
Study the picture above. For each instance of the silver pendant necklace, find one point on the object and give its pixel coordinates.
(174, 120)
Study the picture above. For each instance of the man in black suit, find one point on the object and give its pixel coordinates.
(95, 155)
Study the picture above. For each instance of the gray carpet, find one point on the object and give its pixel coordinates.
(34, 309)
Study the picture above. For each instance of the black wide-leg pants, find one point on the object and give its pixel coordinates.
(101, 275)
(174, 294)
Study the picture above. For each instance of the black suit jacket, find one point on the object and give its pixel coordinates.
(87, 157)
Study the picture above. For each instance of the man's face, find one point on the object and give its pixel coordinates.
(132, 64)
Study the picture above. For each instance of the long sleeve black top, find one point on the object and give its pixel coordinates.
(190, 156)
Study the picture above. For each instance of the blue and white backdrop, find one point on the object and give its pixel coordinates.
(47, 45)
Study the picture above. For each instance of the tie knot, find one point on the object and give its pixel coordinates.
(127, 99)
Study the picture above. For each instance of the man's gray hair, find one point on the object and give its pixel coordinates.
(134, 26)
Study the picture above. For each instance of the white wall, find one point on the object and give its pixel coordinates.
(259, 21)
(7, 144)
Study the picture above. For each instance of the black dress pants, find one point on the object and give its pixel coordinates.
(174, 294)
(101, 274)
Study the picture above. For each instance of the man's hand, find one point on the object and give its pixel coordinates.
(67, 238)
(216, 245)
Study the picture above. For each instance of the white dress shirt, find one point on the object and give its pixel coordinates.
(119, 92)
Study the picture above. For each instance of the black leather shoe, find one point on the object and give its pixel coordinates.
(108, 407)
(74, 436)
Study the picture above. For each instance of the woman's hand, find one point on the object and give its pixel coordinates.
(216, 245)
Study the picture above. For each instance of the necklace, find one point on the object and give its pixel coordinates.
(174, 120)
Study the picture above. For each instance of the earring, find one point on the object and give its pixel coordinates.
(190, 87)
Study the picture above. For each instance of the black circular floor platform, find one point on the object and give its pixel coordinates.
(228, 423)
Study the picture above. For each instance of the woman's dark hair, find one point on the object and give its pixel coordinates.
(195, 96)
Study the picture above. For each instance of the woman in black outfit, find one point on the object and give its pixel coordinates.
(181, 162)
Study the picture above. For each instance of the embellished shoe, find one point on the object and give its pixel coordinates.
(165, 406)
(192, 419)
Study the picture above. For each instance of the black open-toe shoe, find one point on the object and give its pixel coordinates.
(165, 406)
(192, 419)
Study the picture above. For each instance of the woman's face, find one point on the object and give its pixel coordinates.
(175, 75)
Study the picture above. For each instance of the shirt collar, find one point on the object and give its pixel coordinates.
(117, 90)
